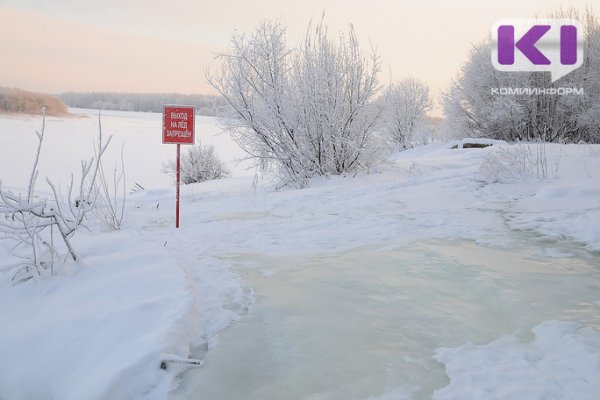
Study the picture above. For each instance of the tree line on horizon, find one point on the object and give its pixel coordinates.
(207, 105)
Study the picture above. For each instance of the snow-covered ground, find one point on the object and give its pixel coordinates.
(150, 293)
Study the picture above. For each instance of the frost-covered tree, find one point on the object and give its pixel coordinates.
(305, 111)
(589, 117)
(473, 110)
(406, 110)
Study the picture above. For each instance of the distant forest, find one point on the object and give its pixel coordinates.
(150, 102)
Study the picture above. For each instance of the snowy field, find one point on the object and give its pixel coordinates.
(423, 278)
(71, 139)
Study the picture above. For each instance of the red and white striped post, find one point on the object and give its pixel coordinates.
(178, 128)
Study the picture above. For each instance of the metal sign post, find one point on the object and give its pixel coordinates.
(178, 185)
(178, 128)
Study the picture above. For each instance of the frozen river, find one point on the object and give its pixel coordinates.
(365, 324)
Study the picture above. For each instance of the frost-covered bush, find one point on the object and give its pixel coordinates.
(14, 100)
(515, 163)
(40, 225)
(407, 103)
(200, 163)
(473, 109)
(302, 111)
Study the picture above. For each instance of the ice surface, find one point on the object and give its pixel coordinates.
(366, 324)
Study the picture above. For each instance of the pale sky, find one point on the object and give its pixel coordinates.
(164, 46)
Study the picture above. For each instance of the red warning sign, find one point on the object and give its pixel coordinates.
(178, 124)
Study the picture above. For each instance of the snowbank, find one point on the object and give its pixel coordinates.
(566, 206)
(562, 362)
(100, 332)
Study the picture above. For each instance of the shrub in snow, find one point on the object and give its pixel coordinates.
(40, 226)
(407, 103)
(472, 109)
(110, 195)
(200, 163)
(302, 112)
(514, 163)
